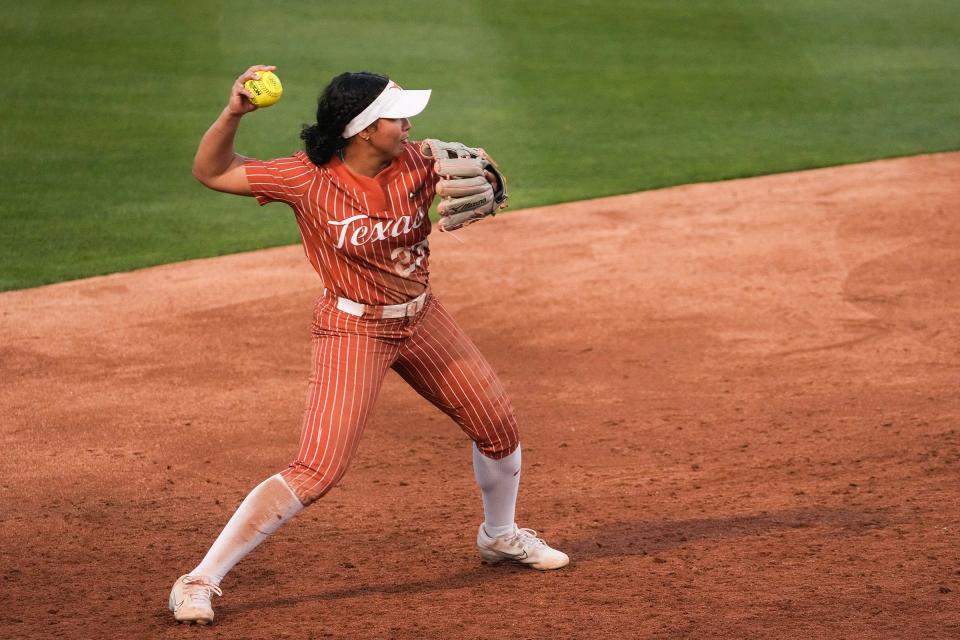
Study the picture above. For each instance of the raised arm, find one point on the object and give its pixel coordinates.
(217, 165)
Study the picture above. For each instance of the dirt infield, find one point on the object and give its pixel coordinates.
(739, 404)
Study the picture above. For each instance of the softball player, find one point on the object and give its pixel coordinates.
(360, 192)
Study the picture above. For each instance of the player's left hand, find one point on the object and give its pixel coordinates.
(471, 186)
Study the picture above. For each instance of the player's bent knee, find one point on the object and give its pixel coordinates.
(497, 450)
(310, 484)
(502, 440)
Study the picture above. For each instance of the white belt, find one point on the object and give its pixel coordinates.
(404, 310)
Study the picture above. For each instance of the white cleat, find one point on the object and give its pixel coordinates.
(190, 599)
(521, 546)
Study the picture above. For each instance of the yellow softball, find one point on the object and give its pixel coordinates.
(266, 91)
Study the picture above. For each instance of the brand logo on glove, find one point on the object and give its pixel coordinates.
(476, 204)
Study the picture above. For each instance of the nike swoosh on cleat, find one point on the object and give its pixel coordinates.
(515, 556)
(177, 605)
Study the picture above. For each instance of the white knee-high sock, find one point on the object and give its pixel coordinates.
(499, 481)
(269, 505)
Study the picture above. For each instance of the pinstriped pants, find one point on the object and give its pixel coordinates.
(351, 357)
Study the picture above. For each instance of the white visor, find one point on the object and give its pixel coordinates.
(393, 102)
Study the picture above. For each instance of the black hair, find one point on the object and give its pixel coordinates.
(340, 102)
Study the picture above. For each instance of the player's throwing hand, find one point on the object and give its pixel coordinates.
(240, 97)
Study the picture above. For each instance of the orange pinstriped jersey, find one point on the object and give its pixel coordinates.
(366, 237)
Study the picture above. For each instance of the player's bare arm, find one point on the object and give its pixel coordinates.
(217, 165)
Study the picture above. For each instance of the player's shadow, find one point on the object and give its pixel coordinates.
(649, 538)
(618, 539)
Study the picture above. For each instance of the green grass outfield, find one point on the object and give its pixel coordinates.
(104, 103)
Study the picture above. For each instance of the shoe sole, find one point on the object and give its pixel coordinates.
(493, 557)
(201, 621)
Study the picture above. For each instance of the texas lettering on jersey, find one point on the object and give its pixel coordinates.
(365, 237)
(406, 259)
(378, 231)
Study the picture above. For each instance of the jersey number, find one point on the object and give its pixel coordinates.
(407, 259)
